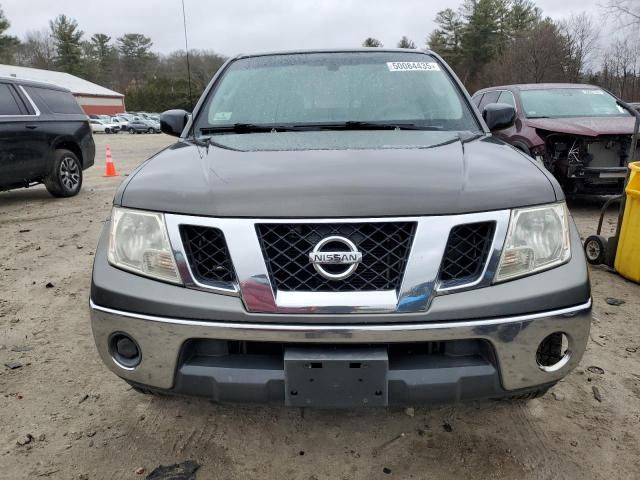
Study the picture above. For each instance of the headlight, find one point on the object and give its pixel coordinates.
(138, 242)
(538, 239)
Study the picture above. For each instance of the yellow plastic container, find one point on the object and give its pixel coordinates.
(628, 254)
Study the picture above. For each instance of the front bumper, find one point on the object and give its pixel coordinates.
(509, 368)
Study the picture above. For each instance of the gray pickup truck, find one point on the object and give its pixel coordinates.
(340, 229)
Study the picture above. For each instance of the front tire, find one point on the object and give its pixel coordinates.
(65, 178)
(131, 131)
(150, 130)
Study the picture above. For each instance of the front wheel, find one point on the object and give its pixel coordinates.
(65, 178)
(131, 131)
(150, 130)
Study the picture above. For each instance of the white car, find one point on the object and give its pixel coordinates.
(103, 126)
(120, 121)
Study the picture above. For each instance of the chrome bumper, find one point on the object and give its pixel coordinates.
(514, 339)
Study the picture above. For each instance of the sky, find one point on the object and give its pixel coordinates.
(248, 26)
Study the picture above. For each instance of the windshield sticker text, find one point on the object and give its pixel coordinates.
(593, 91)
(222, 116)
(413, 66)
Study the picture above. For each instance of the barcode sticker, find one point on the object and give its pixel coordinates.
(413, 66)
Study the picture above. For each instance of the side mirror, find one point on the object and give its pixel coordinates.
(499, 115)
(172, 122)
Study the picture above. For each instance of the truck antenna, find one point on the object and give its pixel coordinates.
(186, 46)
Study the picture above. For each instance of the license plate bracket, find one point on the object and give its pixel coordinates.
(340, 378)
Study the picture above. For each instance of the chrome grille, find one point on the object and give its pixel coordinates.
(207, 254)
(384, 246)
(466, 252)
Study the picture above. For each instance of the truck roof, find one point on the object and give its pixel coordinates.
(336, 50)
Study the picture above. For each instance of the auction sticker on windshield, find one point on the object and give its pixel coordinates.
(412, 66)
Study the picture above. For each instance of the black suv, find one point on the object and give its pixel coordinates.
(45, 137)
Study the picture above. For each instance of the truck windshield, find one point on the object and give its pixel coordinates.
(570, 102)
(334, 91)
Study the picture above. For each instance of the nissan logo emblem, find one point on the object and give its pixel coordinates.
(351, 257)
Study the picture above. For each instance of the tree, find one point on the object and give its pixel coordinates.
(523, 16)
(99, 57)
(103, 50)
(535, 56)
(67, 39)
(581, 37)
(447, 39)
(483, 34)
(372, 42)
(8, 43)
(476, 34)
(621, 69)
(406, 43)
(627, 11)
(136, 56)
(37, 50)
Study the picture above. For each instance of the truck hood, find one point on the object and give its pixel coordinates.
(585, 126)
(449, 178)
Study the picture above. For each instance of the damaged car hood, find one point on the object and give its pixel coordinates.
(585, 126)
(449, 178)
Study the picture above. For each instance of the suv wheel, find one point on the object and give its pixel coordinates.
(65, 178)
(150, 130)
(132, 131)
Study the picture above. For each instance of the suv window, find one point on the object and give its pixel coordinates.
(507, 97)
(8, 103)
(477, 99)
(489, 97)
(57, 101)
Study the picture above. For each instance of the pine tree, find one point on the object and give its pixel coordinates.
(406, 43)
(8, 43)
(372, 42)
(67, 39)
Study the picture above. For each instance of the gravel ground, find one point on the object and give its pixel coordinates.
(64, 416)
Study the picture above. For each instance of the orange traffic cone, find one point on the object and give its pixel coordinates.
(110, 168)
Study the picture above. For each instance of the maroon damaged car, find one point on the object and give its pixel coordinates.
(578, 132)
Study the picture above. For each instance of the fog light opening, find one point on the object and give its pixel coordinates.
(553, 352)
(124, 350)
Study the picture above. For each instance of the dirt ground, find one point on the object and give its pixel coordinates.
(81, 422)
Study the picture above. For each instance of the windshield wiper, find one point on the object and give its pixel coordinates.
(249, 128)
(362, 125)
(349, 125)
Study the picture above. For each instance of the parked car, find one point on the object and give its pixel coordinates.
(340, 229)
(104, 126)
(578, 132)
(140, 125)
(45, 137)
(120, 121)
(97, 126)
